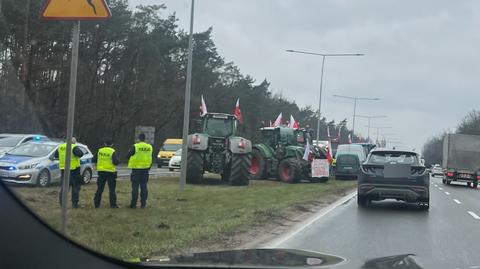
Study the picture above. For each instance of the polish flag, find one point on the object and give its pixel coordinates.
(329, 155)
(293, 123)
(349, 138)
(203, 108)
(306, 154)
(237, 112)
(278, 121)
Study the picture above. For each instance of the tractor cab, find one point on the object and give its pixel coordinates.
(219, 125)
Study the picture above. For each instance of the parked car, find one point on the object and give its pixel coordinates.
(392, 174)
(437, 170)
(9, 141)
(168, 149)
(33, 163)
(175, 161)
(348, 159)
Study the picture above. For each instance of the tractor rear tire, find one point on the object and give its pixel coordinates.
(257, 167)
(289, 171)
(194, 167)
(240, 170)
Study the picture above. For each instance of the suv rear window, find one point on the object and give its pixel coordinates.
(393, 157)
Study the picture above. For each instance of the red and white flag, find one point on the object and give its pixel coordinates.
(237, 112)
(278, 121)
(349, 138)
(306, 153)
(203, 108)
(293, 123)
(329, 155)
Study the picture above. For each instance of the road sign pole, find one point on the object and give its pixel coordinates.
(70, 118)
(186, 110)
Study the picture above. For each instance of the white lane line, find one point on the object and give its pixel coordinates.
(308, 222)
(475, 266)
(440, 188)
(447, 193)
(457, 201)
(435, 185)
(475, 216)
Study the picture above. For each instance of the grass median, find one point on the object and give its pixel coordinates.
(173, 220)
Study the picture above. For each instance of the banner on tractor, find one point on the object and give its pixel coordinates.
(320, 168)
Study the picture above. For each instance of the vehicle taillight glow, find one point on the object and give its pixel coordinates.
(478, 177)
(195, 140)
(449, 174)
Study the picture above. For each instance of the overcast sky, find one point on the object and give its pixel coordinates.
(420, 58)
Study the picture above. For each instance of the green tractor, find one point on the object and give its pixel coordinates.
(218, 150)
(281, 154)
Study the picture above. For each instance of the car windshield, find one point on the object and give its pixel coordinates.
(9, 141)
(171, 147)
(387, 88)
(32, 150)
(393, 157)
(219, 127)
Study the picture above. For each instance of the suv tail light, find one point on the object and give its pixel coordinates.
(195, 140)
(478, 177)
(449, 174)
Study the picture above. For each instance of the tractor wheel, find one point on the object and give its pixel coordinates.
(289, 171)
(194, 167)
(257, 167)
(240, 170)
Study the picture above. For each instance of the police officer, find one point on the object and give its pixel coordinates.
(106, 160)
(140, 160)
(75, 177)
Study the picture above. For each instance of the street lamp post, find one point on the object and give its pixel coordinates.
(369, 119)
(324, 55)
(355, 99)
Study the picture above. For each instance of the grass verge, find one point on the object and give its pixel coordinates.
(173, 220)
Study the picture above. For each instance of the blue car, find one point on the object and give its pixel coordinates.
(33, 163)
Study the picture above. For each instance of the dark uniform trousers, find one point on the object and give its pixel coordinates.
(75, 184)
(111, 179)
(139, 178)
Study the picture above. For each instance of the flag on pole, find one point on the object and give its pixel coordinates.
(328, 132)
(271, 125)
(329, 155)
(203, 108)
(278, 121)
(306, 154)
(293, 123)
(349, 138)
(339, 131)
(237, 112)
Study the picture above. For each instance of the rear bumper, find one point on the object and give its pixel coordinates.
(405, 193)
(163, 160)
(347, 173)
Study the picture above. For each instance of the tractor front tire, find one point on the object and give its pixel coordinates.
(240, 170)
(194, 167)
(257, 167)
(289, 171)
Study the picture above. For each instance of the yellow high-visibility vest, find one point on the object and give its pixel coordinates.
(104, 160)
(142, 158)
(62, 155)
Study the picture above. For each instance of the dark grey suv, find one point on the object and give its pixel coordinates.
(393, 174)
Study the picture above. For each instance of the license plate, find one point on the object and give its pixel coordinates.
(465, 176)
(348, 168)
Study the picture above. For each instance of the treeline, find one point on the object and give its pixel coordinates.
(131, 72)
(432, 150)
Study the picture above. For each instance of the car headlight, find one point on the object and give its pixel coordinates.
(27, 166)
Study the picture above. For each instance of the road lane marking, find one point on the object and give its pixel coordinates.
(447, 193)
(435, 185)
(440, 188)
(475, 216)
(475, 266)
(275, 243)
(457, 201)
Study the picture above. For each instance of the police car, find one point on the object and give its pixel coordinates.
(33, 163)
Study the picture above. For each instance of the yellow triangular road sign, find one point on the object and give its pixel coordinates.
(76, 10)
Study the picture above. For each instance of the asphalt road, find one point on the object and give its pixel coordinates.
(447, 236)
(124, 173)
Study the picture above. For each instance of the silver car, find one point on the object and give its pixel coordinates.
(9, 141)
(34, 163)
